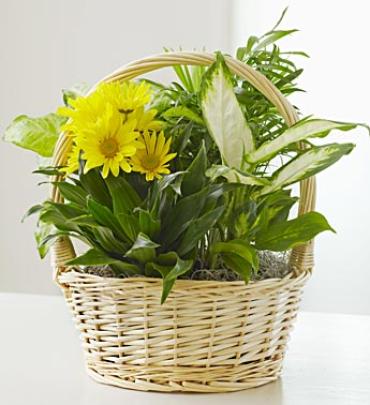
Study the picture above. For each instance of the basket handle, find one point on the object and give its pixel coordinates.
(302, 256)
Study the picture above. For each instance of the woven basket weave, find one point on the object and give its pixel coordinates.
(209, 336)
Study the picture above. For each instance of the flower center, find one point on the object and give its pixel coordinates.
(109, 147)
(150, 162)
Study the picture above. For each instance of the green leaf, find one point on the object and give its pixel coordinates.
(280, 19)
(286, 235)
(143, 249)
(73, 193)
(273, 209)
(33, 210)
(107, 240)
(170, 266)
(130, 225)
(223, 115)
(92, 257)
(233, 175)
(194, 179)
(169, 180)
(124, 196)
(178, 217)
(148, 224)
(238, 265)
(78, 90)
(239, 255)
(42, 232)
(185, 112)
(48, 170)
(271, 37)
(94, 184)
(307, 164)
(104, 216)
(36, 134)
(197, 229)
(299, 132)
(84, 220)
(59, 215)
(120, 267)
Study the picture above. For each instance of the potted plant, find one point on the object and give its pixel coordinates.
(183, 195)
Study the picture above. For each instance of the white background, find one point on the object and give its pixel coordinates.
(46, 46)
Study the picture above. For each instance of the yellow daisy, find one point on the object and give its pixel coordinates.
(109, 143)
(84, 111)
(145, 120)
(128, 98)
(153, 159)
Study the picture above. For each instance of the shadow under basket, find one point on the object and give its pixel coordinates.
(209, 336)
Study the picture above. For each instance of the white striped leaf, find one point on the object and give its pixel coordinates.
(307, 164)
(233, 175)
(224, 118)
(297, 133)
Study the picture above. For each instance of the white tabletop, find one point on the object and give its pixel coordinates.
(328, 362)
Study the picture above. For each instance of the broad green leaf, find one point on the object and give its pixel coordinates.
(182, 111)
(94, 184)
(223, 115)
(104, 216)
(107, 240)
(197, 229)
(143, 249)
(274, 208)
(59, 215)
(239, 265)
(288, 234)
(194, 179)
(120, 267)
(233, 175)
(42, 232)
(178, 217)
(239, 255)
(124, 196)
(297, 133)
(170, 266)
(238, 247)
(36, 134)
(307, 164)
(84, 220)
(92, 257)
(73, 193)
(147, 223)
(96, 257)
(130, 225)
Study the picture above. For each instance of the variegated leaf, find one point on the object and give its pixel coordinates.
(307, 164)
(297, 133)
(223, 115)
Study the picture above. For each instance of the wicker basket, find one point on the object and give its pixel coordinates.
(208, 336)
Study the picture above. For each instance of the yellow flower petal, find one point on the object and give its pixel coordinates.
(106, 126)
(152, 160)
